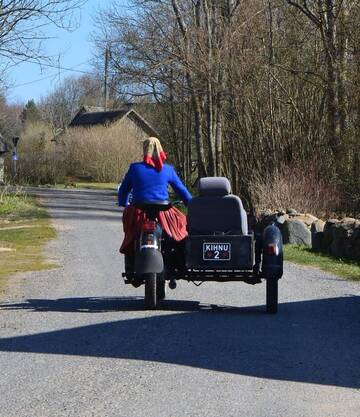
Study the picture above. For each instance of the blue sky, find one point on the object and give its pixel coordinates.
(74, 48)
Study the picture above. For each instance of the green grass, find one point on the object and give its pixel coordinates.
(89, 185)
(19, 206)
(97, 185)
(25, 228)
(303, 255)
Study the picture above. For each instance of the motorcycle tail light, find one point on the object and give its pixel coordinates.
(148, 226)
(272, 249)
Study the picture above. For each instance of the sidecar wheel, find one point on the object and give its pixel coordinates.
(150, 291)
(271, 296)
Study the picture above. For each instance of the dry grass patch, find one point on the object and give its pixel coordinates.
(23, 247)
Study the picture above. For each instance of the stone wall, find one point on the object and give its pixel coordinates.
(340, 238)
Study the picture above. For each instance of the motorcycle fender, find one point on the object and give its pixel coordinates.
(149, 261)
(272, 263)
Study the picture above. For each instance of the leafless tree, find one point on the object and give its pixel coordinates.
(23, 26)
(59, 107)
(246, 88)
(330, 17)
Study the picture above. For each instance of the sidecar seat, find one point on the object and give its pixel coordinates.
(216, 210)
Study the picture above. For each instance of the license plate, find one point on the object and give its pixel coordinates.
(216, 251)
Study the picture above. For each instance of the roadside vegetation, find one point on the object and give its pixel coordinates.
(279, 118)
(100, 155)
(25, 229)
(16, 206)
(87, 185)
(304, 255)
(97, 185)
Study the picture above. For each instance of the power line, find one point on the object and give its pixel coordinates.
(36, 81)
(63, 69)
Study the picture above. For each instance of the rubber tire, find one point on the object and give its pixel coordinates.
(271, 296)
(161, 290)
(150, 291)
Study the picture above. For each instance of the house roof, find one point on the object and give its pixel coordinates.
(91, 116)
(96, 118)
(3, 145)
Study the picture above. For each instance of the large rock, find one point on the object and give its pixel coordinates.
(341, 238)
(348, 221)
(295, 231)
(317, 235)
(311, 217)
(339, 242)
(281, 218)
(307, 218)
(329, 233)
(354, 248)
(291, 212)
(317, 226)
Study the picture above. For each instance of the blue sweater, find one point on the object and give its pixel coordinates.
(147, 184)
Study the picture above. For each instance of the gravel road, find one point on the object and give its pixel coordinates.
(76, 341)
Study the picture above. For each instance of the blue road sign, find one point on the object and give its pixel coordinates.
(14, 157)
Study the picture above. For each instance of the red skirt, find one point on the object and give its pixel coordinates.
(172, 221)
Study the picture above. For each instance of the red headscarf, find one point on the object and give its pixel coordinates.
(153, 153)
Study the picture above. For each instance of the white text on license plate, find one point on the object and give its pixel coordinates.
(216, 251)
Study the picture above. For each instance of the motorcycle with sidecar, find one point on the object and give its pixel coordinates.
(219, 246)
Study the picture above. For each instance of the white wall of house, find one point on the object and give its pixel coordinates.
(2, 170)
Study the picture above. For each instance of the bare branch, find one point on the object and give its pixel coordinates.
(304, 8)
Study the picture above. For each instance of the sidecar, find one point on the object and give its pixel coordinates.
(220, 246)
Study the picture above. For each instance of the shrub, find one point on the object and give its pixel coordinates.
(100, 153)
(40, 161)
(297, 187)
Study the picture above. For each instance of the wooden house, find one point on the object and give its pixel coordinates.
(88, 117)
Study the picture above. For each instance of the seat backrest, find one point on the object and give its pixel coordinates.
(216, 210)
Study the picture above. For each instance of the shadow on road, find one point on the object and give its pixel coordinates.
(315, 341)
(99, 305)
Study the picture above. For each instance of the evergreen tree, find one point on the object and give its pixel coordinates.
(30, 113)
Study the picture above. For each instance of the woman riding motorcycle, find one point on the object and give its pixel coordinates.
(149, 181)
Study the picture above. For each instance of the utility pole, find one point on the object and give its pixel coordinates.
(14, 157)
(106, 90)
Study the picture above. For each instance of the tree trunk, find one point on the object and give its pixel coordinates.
(328, 31)
(194, 99)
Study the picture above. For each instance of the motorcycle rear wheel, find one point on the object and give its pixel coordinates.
(150, 291)
(161, 289)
